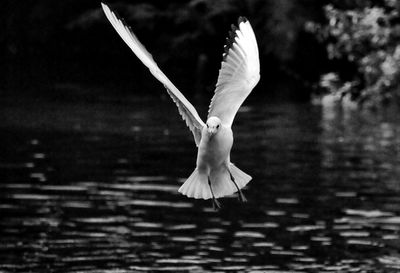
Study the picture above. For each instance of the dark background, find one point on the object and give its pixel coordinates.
(69, 49)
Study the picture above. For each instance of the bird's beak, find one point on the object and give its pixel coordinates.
(211, 131)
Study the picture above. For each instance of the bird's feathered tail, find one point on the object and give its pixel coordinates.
(196, 186)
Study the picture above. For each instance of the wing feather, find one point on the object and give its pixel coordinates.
(239, 73)
(185, 108)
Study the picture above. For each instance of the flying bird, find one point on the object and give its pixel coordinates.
(215, 176)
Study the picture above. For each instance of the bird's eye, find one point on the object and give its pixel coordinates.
(218, 126)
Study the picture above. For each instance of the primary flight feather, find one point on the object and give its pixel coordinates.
(215, 176)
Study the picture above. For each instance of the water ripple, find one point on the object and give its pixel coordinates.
(151, 203)
(98, 192)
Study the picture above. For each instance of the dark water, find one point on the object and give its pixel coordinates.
(93, 188)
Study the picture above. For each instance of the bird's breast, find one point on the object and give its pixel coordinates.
(214, 150)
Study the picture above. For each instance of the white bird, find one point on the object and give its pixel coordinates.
(215, 176)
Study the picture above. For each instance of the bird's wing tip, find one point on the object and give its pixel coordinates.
(230, 40)
(242, 19)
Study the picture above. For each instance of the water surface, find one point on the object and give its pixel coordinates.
(91, 187)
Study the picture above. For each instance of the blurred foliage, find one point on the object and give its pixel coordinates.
(66, 41)
(366, 37)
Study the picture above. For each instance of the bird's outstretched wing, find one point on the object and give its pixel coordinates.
(186, 109)
(239, 73)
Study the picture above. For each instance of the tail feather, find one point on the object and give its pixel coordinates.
(198, 191)
(196, 186)
(241, 178)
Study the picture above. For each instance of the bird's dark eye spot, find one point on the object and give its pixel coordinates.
(207, 125)
(218, 126)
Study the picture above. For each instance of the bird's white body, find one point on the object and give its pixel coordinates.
(213, 165)
(213, 162)
(214, 150)
(215, 176)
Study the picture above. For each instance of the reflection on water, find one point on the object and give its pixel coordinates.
(93, 187)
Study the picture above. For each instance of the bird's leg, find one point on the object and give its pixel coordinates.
(216, 204)
(240, 193)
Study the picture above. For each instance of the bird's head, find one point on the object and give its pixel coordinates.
(213, 125)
